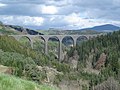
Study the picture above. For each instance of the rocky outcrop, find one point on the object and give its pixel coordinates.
(89, 67)
(50, 72)
(101, 61)
(74, 60)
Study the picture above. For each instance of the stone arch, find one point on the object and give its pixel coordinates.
(41, 38)
(39, 43)
(15, 37)
(28, 38)
(54, 47)
(68, 40)
(81, 38)
(54, 38)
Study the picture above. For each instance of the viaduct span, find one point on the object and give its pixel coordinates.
(59, 37)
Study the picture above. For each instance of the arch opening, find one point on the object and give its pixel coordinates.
(39, 44)
(80, 39)
(53, 47)
(67, 43)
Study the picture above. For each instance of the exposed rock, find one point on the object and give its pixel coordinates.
(51, 73)
(90, 71)
(69, 85)
(89, 61)
(101, 61)
(74, 60)
(89, 68)
(40, 68)
(6, 70)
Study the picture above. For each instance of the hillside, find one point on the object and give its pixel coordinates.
(27, 63)
(7, 30)
(16, 30)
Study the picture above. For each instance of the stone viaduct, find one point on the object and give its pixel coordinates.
(59, 37)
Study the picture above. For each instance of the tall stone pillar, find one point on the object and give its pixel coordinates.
(46, 46)
(60, 50)
(74, 42)
(88, 37)
(31, 43)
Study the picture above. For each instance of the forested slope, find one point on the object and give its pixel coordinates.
(105, 52)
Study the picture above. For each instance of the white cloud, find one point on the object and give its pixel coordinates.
(76, 21)
(49, 9)
(73, 18)
(2, 5)
(67, 14)
(22, 20)
(57, 2)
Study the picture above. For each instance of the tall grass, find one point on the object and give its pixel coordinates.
(8, 82)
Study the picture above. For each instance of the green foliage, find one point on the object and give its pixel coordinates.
(58, 79)
(70, 53)
(23, 66)
(61, 67)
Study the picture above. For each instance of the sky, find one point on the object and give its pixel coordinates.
(60, 14)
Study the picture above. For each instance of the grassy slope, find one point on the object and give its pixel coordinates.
(8, 82)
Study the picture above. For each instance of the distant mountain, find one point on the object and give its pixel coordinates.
(13, 29)
(104, 28)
